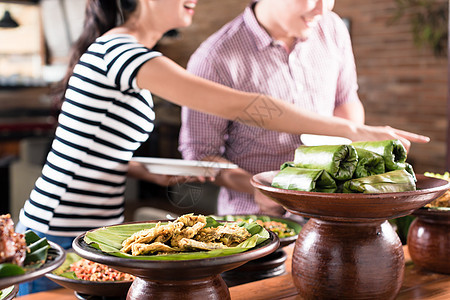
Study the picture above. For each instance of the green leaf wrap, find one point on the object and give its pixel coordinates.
(308, 180)
(369, 163)
(338, 160)
(393, 152)
(390, 182)
(410, 170)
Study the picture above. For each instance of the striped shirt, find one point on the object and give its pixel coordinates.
(105, 117)
(318, 75)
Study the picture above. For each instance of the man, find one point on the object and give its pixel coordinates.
(296, 50)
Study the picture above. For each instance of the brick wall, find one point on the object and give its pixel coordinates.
(400, 84)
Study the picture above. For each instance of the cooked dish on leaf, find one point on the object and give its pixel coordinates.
(282, 227)
(76, 267)
(442, 202)
(13, 247)
(361, 167)
(20, 253)
(188, 237)
(187, 233)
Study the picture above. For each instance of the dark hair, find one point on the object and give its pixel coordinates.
(100, 16)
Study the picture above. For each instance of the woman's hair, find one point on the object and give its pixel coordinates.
(100, 17)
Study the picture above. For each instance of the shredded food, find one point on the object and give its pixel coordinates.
(88, 270)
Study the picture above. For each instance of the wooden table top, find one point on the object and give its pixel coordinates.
(417, 284)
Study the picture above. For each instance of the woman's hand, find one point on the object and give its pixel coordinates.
(376, 133)
(139, 171)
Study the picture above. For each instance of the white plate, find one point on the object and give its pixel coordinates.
(182, 167)
(319, 140)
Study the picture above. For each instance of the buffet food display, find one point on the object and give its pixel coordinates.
(186, 233)
(188, 237)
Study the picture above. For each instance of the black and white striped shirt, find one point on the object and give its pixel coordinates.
(104, 119)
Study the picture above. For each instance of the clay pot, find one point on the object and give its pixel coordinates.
(429, 240)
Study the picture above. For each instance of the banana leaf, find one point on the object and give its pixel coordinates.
(109, 240)
(338, 160)
(390, 182)
(293, 227)
(6, 292)
(369, 163)
(393, 152)
(64, 269)
(287, 164)
(34, 259)
(301, 179)
(410, 170)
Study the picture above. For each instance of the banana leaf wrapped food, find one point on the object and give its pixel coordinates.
(410, 170)
(389, 182)
(393, 152)
(301, 179)
(369, 163)
(338, 160)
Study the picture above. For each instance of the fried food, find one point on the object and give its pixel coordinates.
(140, 249)
(187, 233)
(190, 244)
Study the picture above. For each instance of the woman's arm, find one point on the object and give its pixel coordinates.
(353, 111)
(168, 80)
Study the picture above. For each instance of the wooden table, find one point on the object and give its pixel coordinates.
(417, 284)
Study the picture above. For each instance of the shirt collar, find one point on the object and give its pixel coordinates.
(260, 36)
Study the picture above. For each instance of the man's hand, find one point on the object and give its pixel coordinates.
(267, 205)
(139, 171)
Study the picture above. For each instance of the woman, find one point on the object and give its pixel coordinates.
(107, 114)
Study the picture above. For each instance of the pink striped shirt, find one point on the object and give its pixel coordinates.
(317, 75)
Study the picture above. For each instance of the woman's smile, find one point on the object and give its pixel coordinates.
(190, 6)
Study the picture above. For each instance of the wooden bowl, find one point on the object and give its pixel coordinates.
(348, 249)
(177, 279)
(429, 240)
(352, 207)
